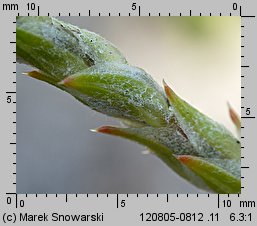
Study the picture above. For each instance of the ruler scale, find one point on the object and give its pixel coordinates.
(128, 209)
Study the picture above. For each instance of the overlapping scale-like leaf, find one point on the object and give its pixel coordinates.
(93, 70)
(205, 134)
(217, 178)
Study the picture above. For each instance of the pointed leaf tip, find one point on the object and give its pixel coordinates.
(234, 116)
(207, 136)
(169, 92)
(105, 129)
(184, 158)
(216, 177)
(160, 150)
(66, 82)
(121, 91)
(34, 74)
(40, 76)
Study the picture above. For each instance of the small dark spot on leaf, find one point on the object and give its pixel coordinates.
(168, 102)
(88, 60)
(238, 141)
(91, 40)
(110, 52)
(182, 133)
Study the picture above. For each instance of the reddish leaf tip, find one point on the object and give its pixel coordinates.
(33, 74)
(184, 158)
(234, 117)
(104, 129)
(66, 81)
(169, 92)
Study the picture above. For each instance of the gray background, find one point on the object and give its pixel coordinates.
(134, 206)
(56, 152)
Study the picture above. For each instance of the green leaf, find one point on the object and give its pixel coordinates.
(231, 166)
(59, 49)
(219, 175)
(218, 179)
(206, 135)
(165, 154)
(171, 137)
(121, 91)
(93, 71)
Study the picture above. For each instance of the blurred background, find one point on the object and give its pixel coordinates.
(199, 57)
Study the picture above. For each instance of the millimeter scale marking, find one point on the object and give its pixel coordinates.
(118, 198)
(139, 14)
